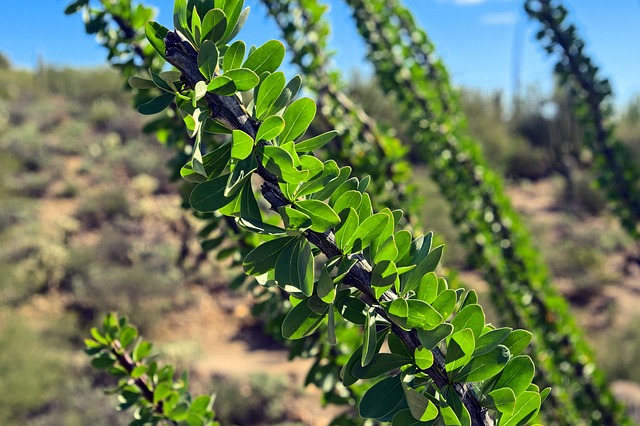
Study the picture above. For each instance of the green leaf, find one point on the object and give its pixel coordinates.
(300, 322)
(314, 166)
(425, 265)
(259, 227)
(352, 309)
(427, 290)
(208, 59)
(526, 407)
(403, 243)
(386, 251)
(383, 275)
(422, 315)
(209, 196)
(471, 317)
(502, 400)
(348, 199)
(242, 145)
(430, 339)
(423, 357)
(367, 231)
(75, 6)
(214, 163)
(214, 25)
(233, 56)
(517, 341)
(294, 219)
(155, 34)
(196, 27)
(244, 79)
(517, 374)
(420, 406)
(450, 398)
(380, 363)
(102, 361)
(365, 210)
(180, 16)
(141, 350)
(263, 258)
(141, 83)
(325, 288)
(328, 188)
(289, 92)
(316, 142)
(445, 303)
(399, 311)
(127, 335)
(322, 216)
(405, 418)
(382, 399)
(484, 367)
(490, 340)
(249, 208)
(459, 350)
(266, 58)
(346, 375)
(370, 337)
(162, 391)
(279, 162)
(295, 268)
(297, 117)
(233, 11)
(268, 92)
(157, 104)
(348, 225)
(270, 128)
(222, 85)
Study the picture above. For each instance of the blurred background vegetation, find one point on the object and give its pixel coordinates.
(90, 222)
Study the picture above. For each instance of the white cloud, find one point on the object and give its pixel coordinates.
(502, 18)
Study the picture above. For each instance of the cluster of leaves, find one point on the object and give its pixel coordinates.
(372, 276)
(118, 25)
(360, 143)
(500, 244)
(152, 389)
(617, 174)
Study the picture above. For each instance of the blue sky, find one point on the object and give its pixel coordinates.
(475, 38)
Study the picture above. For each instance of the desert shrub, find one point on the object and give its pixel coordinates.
(259, 399)
(527, 162)
(81, 85)
(103, 205)
(435, 210)
(32, 185)
(70, 137)
(31, 371)
(26, 145)
(80, 402)
(102, 113)
(486, 124)
(587, 197)
(620, 352)
(33, 263)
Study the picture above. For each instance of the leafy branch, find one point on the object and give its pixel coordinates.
(519, 281)
(617, 174)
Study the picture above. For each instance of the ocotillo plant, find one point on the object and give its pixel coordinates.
(518, 279)
(444, 363)
(117, 26)
(616, 172)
